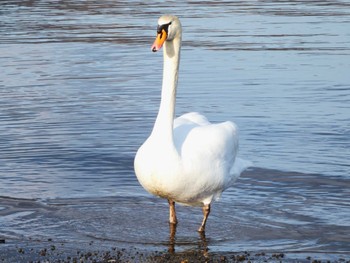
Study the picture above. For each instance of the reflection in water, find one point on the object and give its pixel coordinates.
(202, 243)
(172, 230)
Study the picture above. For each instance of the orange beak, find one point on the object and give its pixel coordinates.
(160, 39)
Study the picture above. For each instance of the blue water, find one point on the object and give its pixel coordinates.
(79, 92)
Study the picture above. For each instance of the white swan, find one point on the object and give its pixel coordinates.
(187, 160)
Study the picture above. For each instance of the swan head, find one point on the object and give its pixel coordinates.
(169, 28)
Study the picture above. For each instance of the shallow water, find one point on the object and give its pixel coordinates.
(295, 213)
(79, 91)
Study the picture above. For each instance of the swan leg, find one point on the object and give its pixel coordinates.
(206, 211)
(172, 212)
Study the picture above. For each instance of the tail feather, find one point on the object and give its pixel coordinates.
(239, 166)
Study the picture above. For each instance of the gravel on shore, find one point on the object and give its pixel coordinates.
(50, 251)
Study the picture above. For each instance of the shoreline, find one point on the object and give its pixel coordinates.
(53, 251)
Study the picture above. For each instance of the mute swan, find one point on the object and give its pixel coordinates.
(187, 160)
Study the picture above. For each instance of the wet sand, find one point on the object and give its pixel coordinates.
(51, 251)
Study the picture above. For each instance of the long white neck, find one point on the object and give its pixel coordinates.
(163, 127)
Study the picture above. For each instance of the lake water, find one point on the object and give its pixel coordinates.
(79, 92)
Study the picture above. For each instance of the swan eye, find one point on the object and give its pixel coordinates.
(164, 27)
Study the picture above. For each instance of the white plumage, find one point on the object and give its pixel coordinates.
(187, 160)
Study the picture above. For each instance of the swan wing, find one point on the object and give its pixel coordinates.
(208, 154)
(193, 118)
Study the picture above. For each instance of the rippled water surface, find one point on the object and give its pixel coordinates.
(79, 91)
